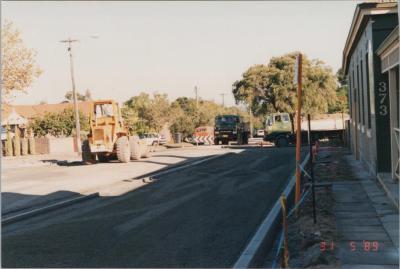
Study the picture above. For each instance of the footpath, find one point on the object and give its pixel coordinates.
(357, 224)
(367, 221)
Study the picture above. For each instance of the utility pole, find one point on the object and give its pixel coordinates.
(77, 124)
(298, 74)
(223, 99)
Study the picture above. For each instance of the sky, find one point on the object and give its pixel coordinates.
(170, 47)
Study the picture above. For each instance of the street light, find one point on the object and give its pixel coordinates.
(77, 124)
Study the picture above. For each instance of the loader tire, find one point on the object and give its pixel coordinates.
(123, 152)
(87, 156)
(135, 147)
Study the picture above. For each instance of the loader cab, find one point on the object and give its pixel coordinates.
(103, 110)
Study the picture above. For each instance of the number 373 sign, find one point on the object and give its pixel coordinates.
(382, 97)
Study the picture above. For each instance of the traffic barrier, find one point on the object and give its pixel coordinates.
(208, 139)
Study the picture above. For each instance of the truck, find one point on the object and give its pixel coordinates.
(230, 128)
(109, 138)
(278, 129)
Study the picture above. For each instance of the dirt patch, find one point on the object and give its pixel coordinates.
(310, 244)
(307, 238)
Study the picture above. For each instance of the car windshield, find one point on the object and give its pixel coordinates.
(226, 120)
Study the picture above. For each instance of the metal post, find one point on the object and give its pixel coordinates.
(223, 99)
(311, 168)
(285, 252)
(77, 124)
(298, 129)
(197, 109)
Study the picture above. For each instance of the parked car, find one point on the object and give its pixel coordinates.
(153, 139)
(162, 140)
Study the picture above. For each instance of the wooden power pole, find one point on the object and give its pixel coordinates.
(298, 72)
(77, 124)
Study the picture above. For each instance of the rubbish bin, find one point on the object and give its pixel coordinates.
(177, 137)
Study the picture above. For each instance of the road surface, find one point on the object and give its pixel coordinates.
(202, 216)
(38, 180)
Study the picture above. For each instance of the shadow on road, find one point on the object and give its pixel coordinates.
(175, 221)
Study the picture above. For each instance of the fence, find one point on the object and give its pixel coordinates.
(42, 145)
(46, 145)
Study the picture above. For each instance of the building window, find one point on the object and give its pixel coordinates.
(368, 91)
(362, 89)
(350, 97)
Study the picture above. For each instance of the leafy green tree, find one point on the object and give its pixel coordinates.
(158, 113)
(58, 124)
(269, 88)
(342, 104)
(145, 113)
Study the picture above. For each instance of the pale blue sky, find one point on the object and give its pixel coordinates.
(170, 47)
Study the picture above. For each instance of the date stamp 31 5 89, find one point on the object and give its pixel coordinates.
(365, 245)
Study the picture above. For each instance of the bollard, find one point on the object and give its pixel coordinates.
(285, 252)
(9, 146)
(24, 146)
(17, 143)
(31, 145)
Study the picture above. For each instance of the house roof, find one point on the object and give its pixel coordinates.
(392, 39)
(31, 111)
(362, 13)
(388, 51)
(13, 118)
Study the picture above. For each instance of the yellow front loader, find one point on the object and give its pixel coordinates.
(108, 138)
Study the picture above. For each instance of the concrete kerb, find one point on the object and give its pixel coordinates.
(262, 240)
(46, 209)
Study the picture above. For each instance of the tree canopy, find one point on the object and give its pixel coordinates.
(269, 88)
(58, 124)
(19, 68)
(150, 113)
(145, 113)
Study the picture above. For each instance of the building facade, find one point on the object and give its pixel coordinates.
(370, 61)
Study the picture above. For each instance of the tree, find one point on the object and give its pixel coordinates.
(158, 112)
(80, 97)
(19, 68)
(145, 113)
(342, 104)
(269, 88)
(186, 116)
(58, 124)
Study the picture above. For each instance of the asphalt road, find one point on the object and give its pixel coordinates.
(202, 216)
